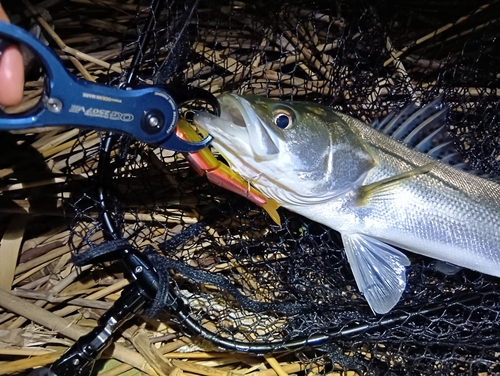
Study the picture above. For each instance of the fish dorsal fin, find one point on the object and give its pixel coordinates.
(413, 125)
(398, 121)
(424, 129)
(379, 125)
(434, 125)
(379, 270)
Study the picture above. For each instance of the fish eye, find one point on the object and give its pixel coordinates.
(283, 117)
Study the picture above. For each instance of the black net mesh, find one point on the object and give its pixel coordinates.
(246, 279)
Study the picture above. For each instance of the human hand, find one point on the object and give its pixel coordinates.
(11, 72)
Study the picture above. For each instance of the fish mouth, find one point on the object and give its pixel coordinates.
(228, 130)
(235, 111)
(239, 123)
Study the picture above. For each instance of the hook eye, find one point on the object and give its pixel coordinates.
(189, 115)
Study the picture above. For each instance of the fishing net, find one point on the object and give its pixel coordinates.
(243, 278)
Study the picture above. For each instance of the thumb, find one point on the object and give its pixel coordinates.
(11, 72)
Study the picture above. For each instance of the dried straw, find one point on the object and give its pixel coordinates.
(38, 282)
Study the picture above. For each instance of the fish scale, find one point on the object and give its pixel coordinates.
(378, 192)
(475, 199)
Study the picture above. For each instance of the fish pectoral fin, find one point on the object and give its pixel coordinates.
(379, 270)
(367, 192)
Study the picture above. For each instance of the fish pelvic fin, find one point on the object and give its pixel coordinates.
(367, 192)
(379, 270)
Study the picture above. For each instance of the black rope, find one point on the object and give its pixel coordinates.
(201, 276)
(100, 252)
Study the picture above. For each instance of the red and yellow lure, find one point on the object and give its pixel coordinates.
(218, 173)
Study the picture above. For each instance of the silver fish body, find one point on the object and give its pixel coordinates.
(373, 189)
(445, 213)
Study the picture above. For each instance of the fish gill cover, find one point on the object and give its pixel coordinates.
(246, 279)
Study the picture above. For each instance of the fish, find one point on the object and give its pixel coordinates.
(393, 185)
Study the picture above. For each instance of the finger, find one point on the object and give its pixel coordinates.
(11, 77)
(3, 16)
(11, 72)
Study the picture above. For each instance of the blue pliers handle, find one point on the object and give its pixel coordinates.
(149, 114)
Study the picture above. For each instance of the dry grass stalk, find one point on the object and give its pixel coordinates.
(30, 272)
(308, 47)
(275, 365)
(111, 4)
(97, 295)
(28, 363)
(22, 268)
(141, 342)
(397, 54)
(81, 302)
(9, 249)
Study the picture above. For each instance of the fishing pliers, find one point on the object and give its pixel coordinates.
(149, 114)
